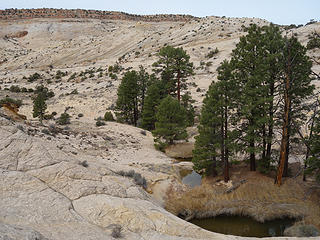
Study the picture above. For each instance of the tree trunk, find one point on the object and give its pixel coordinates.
(264, 143)
(214, 166)
(270, 123)
(178, 85)
(226, 150)
(286, 163)
(252, 157)
(284, 147)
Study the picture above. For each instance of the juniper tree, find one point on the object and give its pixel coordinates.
(174, 67)
(170, 122)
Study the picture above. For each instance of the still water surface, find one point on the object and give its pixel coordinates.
(244, 226)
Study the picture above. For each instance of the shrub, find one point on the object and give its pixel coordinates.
(10, 100)
(143, 132)
(20, 127)
(45, 131)
(84, 163)
(108, 116)
(80, 115)
(100, 123)
(15, 88)
(138, 179)
(34, 77)
(75, 91)
(73, 76)
(113, 76)
(212, 53)
(314, 41)
(64, 119)
(116, 231)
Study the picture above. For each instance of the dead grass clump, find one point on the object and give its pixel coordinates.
(256, 198)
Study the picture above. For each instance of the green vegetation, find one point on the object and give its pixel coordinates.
(173, 67)
(314, 41)
(170, 122)
(34, 77)
(313, 153)
(108, 116)
(42, 94)
(263, 88)
(64, 119)
(131, 96)
(212, 53)
(8, 100)
(39, 105)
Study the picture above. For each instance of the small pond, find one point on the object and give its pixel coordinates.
(244, 226)
(190, 177)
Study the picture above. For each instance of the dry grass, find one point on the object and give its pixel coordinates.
(258, 198)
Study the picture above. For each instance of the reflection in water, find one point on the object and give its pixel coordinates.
(244, 226)
(190, 177)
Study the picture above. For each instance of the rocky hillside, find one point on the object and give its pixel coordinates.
(73, 182)
(12, 14)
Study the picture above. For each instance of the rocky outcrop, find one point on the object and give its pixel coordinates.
(12, 14)
(45, 189)
(13, 232)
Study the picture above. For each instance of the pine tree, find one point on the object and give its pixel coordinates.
(143, 82)
(170, 122)
(128, 98)
(39, 101)
(296, 89)
(174, 67)
(313, 162)
(250, 72)
(217, 132)
(186, 102)
(155, 93)
(39, 105)
(273, 43)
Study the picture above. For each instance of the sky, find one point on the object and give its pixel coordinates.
(277, 11)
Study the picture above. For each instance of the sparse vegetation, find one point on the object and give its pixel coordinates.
(64, 119)
(137, 177)
(8, 100)
(34, 77)
(314, 41)
(212, 53)
(116, 231)
(100, 123)
(108, 116)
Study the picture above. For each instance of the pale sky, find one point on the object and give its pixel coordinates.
(276, 11)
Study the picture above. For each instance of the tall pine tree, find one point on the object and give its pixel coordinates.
(174, 67)
(128, 98)
(217, 134)
(296, 88)
(250, 72)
